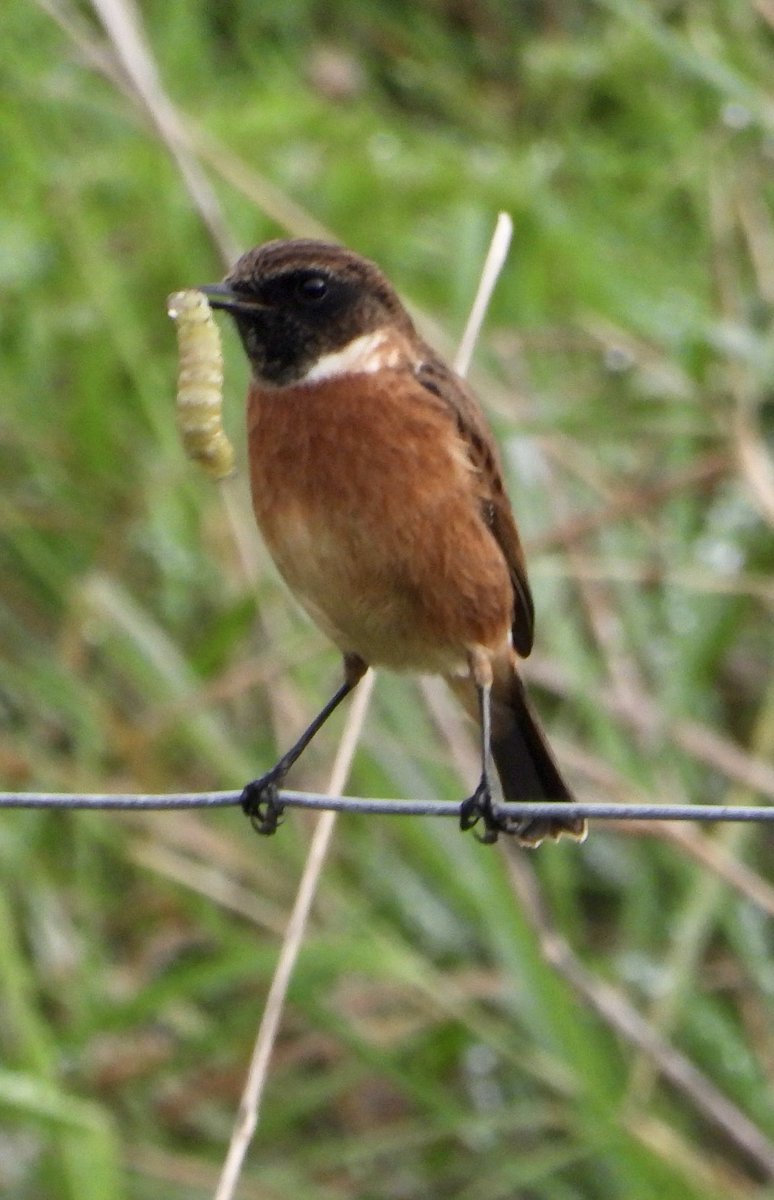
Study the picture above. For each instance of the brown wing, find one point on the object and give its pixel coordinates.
(496, 512)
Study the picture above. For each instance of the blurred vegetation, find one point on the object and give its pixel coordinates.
(428, 1049)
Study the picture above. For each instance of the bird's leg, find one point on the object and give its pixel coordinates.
(260, 798)
(480, 805)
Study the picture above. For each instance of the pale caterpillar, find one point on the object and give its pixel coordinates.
(200, 384)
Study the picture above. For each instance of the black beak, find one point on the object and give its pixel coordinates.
(220, 295)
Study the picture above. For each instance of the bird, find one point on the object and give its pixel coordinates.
(378, 489)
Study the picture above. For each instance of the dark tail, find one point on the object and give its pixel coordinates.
(526, 765)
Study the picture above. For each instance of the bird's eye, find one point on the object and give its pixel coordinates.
(312, 289)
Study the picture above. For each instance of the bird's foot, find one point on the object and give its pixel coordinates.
(480, 807)
(261, 803)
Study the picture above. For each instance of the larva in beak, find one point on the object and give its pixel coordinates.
(200, 384)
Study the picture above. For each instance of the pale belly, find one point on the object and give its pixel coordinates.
(363, 599)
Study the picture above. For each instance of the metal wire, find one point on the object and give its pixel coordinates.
(404, 808)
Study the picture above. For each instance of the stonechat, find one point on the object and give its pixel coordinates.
(378, 489)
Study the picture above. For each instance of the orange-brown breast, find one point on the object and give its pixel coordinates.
(368, 503)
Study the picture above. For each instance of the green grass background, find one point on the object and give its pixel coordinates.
(428, 1049)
